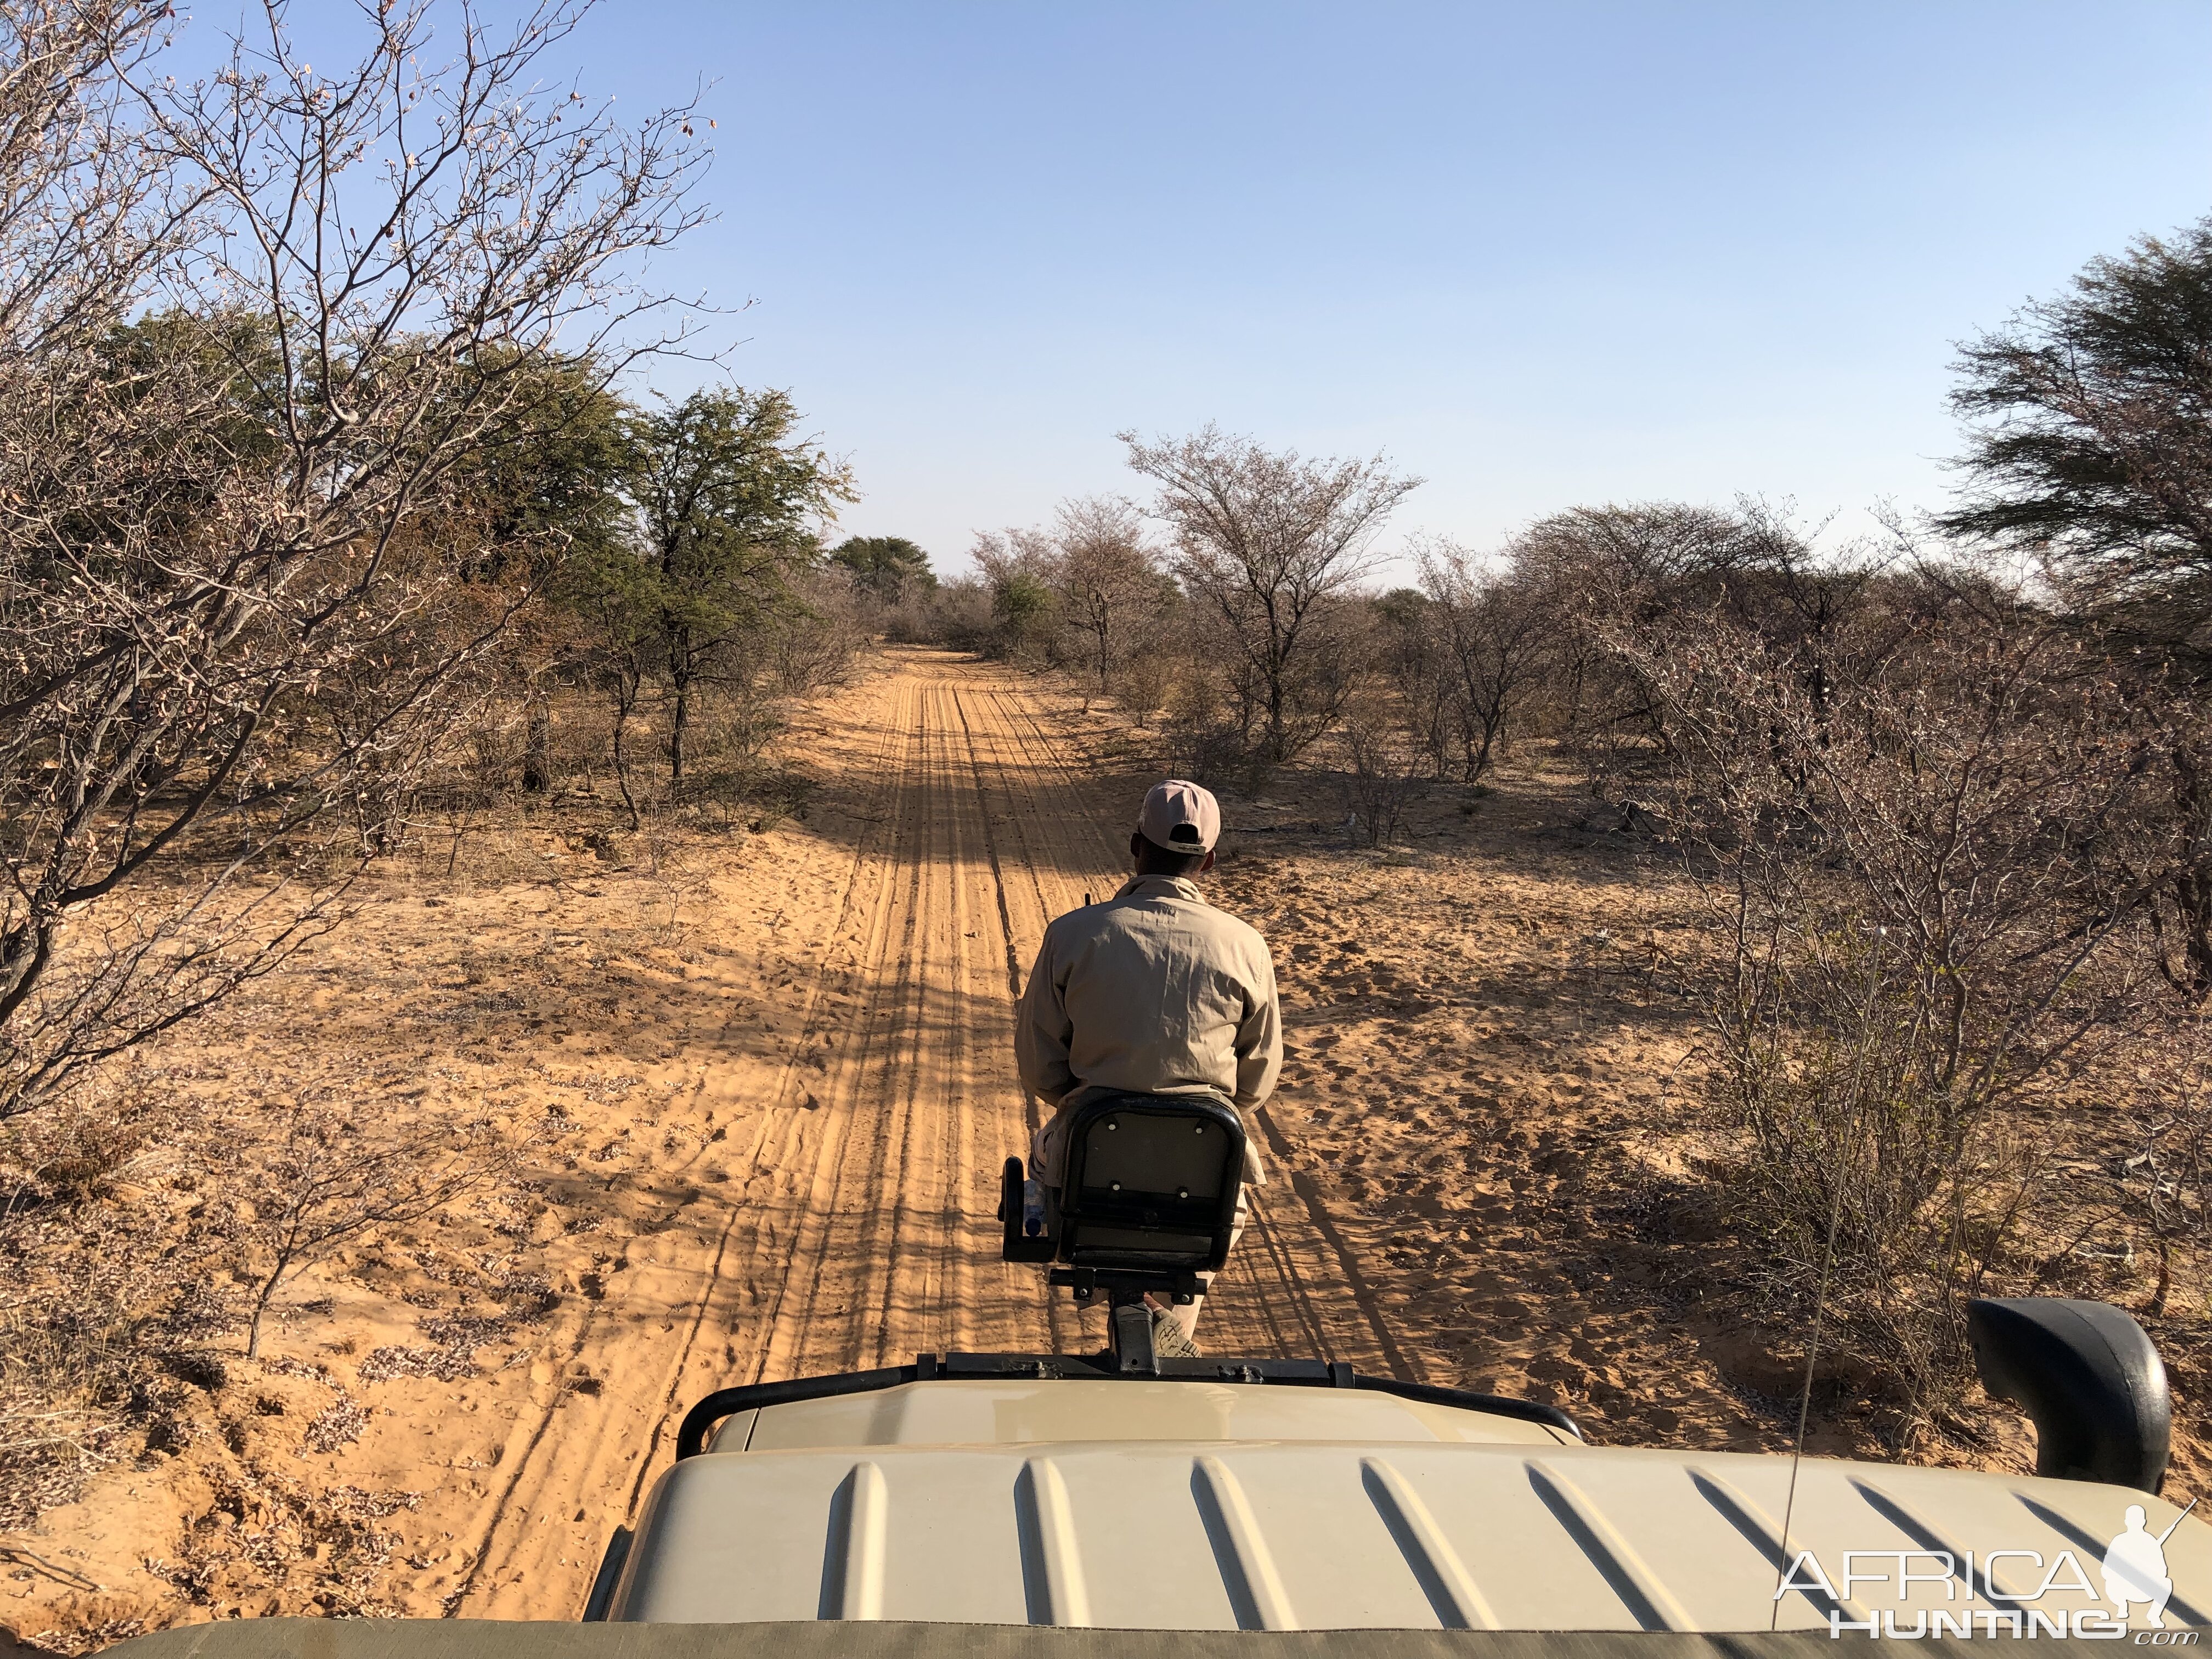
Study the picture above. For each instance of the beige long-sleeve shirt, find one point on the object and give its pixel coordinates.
(1154, 991)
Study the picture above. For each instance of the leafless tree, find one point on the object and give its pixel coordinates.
(1494, 641)
(239, 587)
(1270, 544)
(1109, 575)
(84, 214)
(1014, 551)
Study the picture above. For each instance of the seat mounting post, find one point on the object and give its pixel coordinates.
(1132, 1334)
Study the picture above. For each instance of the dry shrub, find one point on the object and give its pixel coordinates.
(1206, 742)
(109, 1301)
(2164, 1183)
(123, 1227)
(1490, 644)
(730, 727)
(922, 618)
(334, 1167)
(1382, 771)
(1139, 684)
(813, 650)
(1927, 877)
(957, 617)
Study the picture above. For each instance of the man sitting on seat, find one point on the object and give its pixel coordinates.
(1154, 991)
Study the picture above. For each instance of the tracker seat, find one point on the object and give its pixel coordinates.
(1149, 1196)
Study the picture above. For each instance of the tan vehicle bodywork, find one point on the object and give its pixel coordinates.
(1183, 1506)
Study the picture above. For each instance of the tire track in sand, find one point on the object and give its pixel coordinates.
(542, 1471)
(865, 1230)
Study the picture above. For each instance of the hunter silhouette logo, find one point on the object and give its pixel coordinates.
(2135, 1566)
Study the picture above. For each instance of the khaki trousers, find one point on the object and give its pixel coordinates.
(1186, 1316)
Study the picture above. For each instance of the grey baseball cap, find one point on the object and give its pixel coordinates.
(1181, 816)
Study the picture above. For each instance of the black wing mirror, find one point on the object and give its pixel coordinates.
(2089, 1378)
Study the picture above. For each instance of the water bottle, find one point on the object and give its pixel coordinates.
(1033, 1206)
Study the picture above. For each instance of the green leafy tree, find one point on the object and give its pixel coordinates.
(2091, 439)
(546, 483)
(545, 487)
(1018, 566)
(889, 567)
(1022, 604)
(728, 495)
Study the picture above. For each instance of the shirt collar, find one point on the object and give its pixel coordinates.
(1161, 887)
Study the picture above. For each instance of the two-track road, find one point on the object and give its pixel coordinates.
(864, 1233)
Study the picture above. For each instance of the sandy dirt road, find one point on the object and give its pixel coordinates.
(761, 1084)
(953, 825)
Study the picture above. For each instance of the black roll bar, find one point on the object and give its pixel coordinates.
(691, 1437)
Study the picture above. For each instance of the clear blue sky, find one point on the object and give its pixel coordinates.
(1543, 253)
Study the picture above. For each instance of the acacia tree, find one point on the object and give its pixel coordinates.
(615, 595)
(729, 498)
(1269, 543)
(1492, 641)
(1108, 575)
(235, 555)
(887, 566)
(2089, 449)
(2090, 438)
(544, 491)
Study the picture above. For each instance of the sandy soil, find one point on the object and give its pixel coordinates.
(766, 1109)
(769, 1119)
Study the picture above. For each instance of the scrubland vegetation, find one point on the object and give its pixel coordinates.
(334, 493)
(341, 531)
(1943, 787)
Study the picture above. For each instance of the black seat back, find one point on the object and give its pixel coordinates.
(1150, 1183)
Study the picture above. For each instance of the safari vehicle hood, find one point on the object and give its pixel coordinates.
(1270, 1508)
